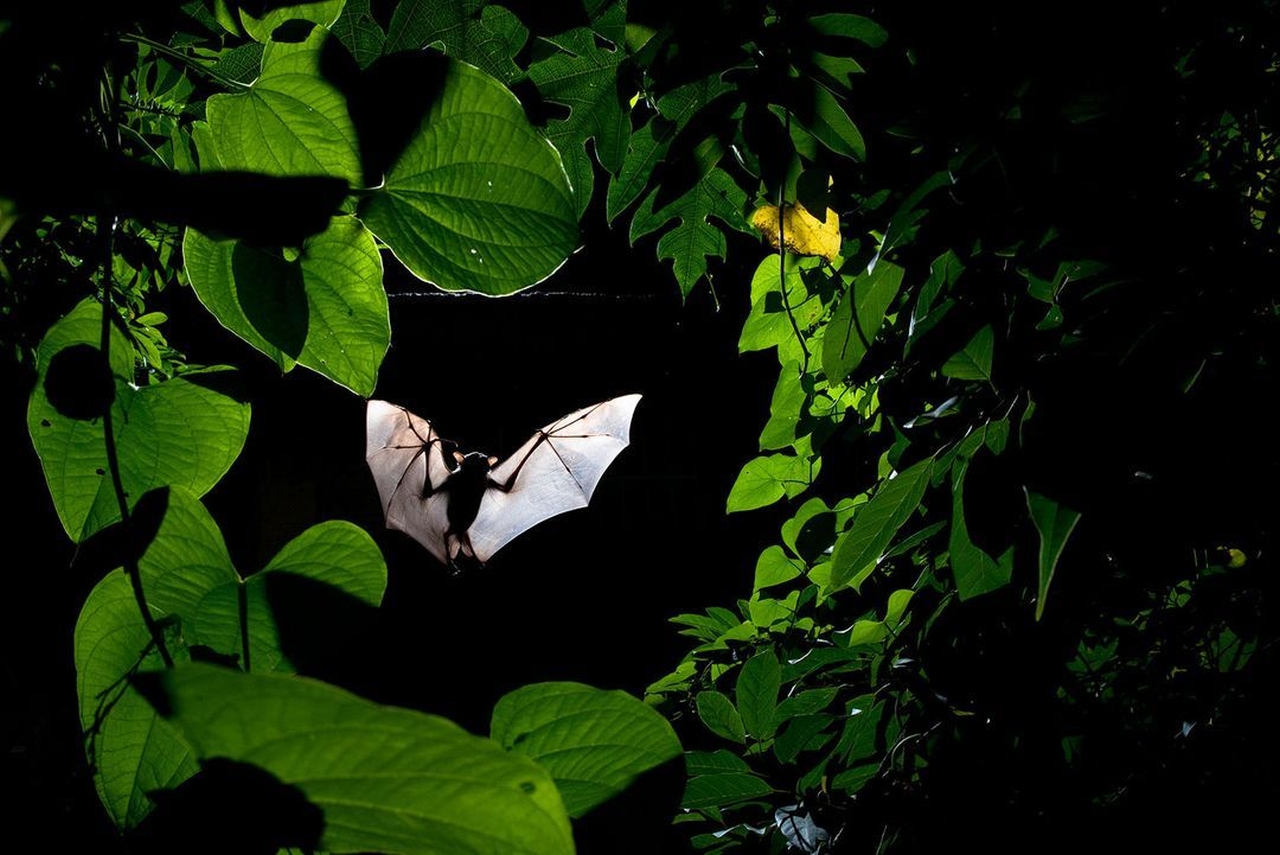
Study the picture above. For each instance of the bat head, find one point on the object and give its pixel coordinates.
(475, 462)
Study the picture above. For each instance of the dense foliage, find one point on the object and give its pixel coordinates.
(1014, 267)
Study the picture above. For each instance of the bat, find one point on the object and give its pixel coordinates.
(465, 507)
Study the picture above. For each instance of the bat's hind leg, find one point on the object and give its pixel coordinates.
(461, 554)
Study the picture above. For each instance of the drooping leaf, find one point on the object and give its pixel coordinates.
(181, 432)
(973, 361)
(802, 232)
(583, 76)
(694, 239)
(875, 525)
(131, 752)
(757, 694)
(594, 743)
(386, 779)
(721, 718)
(858, 318)
(974, 570)
(1054, 523)
(322, 12)
(290, 122)
(325, 309)
(478, 200)
(483, 34)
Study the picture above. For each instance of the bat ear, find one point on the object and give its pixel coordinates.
(459, 456)
(493, 461)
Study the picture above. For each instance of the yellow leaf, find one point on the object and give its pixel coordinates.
(802, 232)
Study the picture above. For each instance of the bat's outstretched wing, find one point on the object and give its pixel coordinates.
(404, 452)
(555, 471)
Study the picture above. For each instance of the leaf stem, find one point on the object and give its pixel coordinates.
(782, 264)
(185, 60)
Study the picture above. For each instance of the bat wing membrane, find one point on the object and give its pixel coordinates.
(405, 455)
(555, 471)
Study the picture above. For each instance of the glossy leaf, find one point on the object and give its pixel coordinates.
(875, 525)
(594, 743)
(386, 779)
(858, 318)
(325, 308)
(180, 432)
(478, 200)
(1054, 523)
(291, 121)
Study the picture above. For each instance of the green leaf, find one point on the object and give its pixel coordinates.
(808, 702)
(858, 739)
(291, 121)
(858, 318)
(875, 525)
(478, 200)
(386, 779)
(774, 567)
(768, 324)
(359, 32)
(847, 26)
(583, 77)
(718, 714)
(594, 743)
(322, 12)
(485, 35)
(694, 239)
(1054, 524)
(975, 571)
(179, 432)
(973, 361)
(765, 480)
(757, 694)
(325, 309)
(719, 790)
(800, 736)
(821, 115)
(131, 752)
(336, 553)
(712, 762)
(789, 398)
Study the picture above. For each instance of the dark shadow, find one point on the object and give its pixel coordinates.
(78, 382)
(230, 383)
(271, 293)
(638, 820)
(115, 545)
(387, 101)
(229, 807)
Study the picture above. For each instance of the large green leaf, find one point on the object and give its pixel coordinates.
(857, 319)
(821, 115)
(180, 432)
(131, 752)
(594, 743)
(359, 32)
(1054, 524)
(720, 716)
(583, 76)
(768, 324)
(291, 121)
(478, 200)
(756, 693)
(765, 480)
(483, 34)
(325, 308)
(322, 12)
(876, 523)
(335, 553)
(723, 788)
(386, 779)
(694, 239)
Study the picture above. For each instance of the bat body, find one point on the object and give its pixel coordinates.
(465, 507)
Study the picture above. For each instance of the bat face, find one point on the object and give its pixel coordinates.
(464, 508)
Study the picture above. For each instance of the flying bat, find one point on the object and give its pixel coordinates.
(465, 507)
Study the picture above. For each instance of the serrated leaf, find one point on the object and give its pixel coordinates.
(180, 432)
(583, 77)
(594, 743)
(858, 318)
(485, 35)
(721, 718)
(291, 121)
(757, 694)
(478, 200)
(386, 779)
(973, 361)
(876, 523)
(694, 239)
(325, 309)
(1054, 523)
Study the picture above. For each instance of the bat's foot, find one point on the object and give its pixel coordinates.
(461, 556)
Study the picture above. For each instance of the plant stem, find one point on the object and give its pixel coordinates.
(782, 266)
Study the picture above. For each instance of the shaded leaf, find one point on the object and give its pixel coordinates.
(973, 361)
(718, 714)
(485, 35)
(1054, 523)
(974, 570)
(719, 790)
(876, 523)
(322, 12)
(757, 694)
(858, 318)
